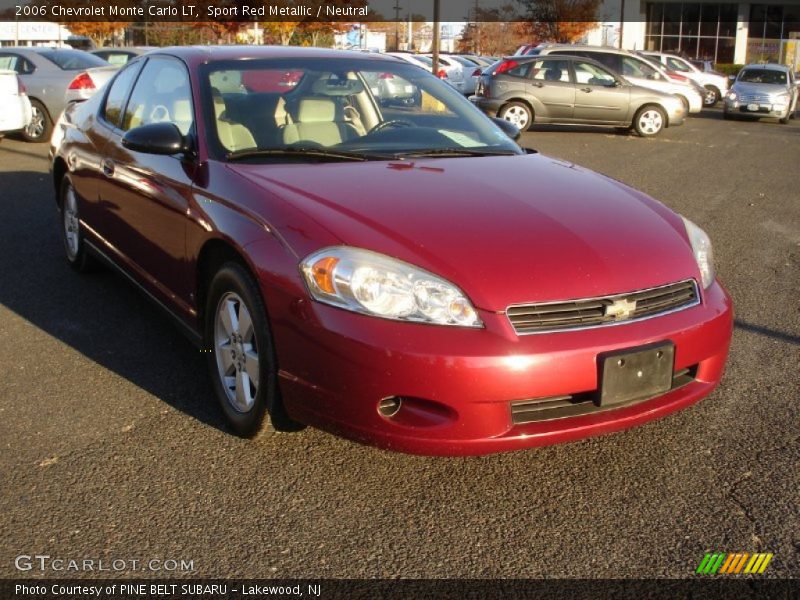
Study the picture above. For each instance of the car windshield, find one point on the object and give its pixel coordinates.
(763, 76)
(73, 60)
(338, 108)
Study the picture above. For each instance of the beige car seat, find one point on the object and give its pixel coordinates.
(233, 136)
(316, 122)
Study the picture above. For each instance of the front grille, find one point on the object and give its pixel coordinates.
(756, 98)
(597, 312)
(574, 405)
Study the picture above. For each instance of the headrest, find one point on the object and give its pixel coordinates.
(219, 102)
(553, 74)
(316, 110)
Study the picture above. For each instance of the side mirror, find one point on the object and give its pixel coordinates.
(508, 128)
(156, 138)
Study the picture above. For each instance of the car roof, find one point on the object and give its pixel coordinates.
(572, 57)
(553, 48)
(767, 67)
(203, 54)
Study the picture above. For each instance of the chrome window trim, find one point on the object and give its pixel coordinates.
(696, 302)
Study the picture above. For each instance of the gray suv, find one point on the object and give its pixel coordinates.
(572, 90)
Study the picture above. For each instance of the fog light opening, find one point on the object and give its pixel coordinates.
(389, 407)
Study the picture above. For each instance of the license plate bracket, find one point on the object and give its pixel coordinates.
(752, 107)
(635, 373)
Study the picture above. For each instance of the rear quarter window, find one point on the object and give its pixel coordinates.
(73, 60)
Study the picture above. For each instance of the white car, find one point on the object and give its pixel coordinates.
(447, 72)
(715, 84)
(15, 107)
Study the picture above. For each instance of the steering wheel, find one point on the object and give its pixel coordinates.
(159, 114)
(392, 123)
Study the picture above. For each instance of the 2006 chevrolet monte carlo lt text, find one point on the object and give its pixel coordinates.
(358, 248)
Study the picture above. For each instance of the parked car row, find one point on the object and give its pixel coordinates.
(598, 85)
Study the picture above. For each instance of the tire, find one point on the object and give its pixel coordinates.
(517, 113)
(237, 351)
(650, 120)
(41, 125)
(789, 113)
(71, 231)
(712, 96)
(726, 115)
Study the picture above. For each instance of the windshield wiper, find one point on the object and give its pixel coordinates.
(455, 152)
(321, 153)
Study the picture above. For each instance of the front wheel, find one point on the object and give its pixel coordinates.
(71, 230)
(649, 121)
(40, 127)
(241, 356)
(517, 113)
(712, 96)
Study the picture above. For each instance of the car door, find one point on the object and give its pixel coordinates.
(147, 194)
(599, 96)
(550, 83)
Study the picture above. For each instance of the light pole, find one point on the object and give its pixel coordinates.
(436, 37)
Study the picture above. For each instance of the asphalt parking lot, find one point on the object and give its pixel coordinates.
(112, 445)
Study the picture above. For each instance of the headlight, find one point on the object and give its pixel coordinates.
(731, 95)
(703, 253)
(783, 99)
(373, 284)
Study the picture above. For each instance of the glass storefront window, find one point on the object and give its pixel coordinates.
(702, 30)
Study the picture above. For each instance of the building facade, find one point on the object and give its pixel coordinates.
(732, 31)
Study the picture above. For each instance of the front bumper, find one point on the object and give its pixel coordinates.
(774, 111)
(459, 384)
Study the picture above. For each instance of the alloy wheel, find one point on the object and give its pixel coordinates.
(236, 352)
(36, 127)
(651, 122)
(72, 224)
(518, 116)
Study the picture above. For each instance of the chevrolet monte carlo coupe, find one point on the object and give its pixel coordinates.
(397, 272)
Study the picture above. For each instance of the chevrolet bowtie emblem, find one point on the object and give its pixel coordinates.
(621, 309)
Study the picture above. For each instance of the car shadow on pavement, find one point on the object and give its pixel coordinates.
(766, 331)
(98, 314)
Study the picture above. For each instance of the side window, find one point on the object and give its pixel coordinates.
(8, 62)
(607, 59)
(118, 92)
(677, 65)
(521, 70)
(632, 67)
(16, 63)
(550, 70)
(161, 94)
(589, 74)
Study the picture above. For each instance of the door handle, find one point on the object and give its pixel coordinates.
(108, 167)
(588, 90)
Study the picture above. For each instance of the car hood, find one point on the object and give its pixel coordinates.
(759, 88)
(504, 229)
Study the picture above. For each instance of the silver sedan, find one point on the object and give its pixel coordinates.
(763, 91)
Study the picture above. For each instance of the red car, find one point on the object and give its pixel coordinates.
(398, 271)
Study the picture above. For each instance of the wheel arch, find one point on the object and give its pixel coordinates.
(59, 171)
(214, 253)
